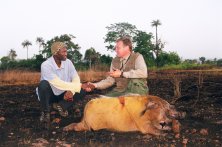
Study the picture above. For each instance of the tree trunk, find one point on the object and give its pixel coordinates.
(27, 53)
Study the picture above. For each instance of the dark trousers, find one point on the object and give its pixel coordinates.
(47, 97)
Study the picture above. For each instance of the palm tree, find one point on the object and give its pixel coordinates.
(26, 44)
(40, 41)
(12, 54)
(156, 23)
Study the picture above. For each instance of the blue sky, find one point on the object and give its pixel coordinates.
(192, 28)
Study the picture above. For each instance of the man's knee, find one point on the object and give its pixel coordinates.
(44, 85)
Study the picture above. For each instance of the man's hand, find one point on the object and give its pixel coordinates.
(88, 87)
(115, 74)
(68, 96)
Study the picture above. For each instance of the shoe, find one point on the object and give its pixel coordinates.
(45, 117)
(63, 113)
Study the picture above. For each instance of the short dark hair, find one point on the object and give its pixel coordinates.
(126, 41)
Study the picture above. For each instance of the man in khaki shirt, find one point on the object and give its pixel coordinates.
(128, 72)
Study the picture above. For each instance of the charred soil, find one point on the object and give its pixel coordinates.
(200, 100)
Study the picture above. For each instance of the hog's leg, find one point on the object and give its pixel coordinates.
(70, 127)
(149, 129)
(76, 127)
(176, 126)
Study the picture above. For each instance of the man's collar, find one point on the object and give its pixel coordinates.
(56, 66)
(125, 58)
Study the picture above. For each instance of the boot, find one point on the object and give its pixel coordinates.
(45, 119)
(63, 113)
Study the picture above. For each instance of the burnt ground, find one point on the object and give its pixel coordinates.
(202, 125)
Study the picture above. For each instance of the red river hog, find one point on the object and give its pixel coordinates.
(146, 114)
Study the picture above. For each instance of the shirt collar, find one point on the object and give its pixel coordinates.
(125, 58)
(55, 65)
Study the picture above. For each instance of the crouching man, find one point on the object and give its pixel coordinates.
(59, 84)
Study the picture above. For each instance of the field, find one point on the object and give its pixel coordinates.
(198, 94)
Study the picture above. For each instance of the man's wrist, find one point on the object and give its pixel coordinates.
(121, 75)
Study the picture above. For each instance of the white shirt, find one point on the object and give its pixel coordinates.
(61, 78)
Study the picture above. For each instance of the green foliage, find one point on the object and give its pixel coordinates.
(118, 30)
(219, 62)
(190, 61)
(38, 59)
(104, 59)
(144, 46)
(31, 64)
(71, 46)
(171, 58)
(91, 56)
(202, 59)
(76, 56)
(5, 60)
(186, 66)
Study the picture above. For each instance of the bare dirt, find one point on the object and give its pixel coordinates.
(201, 100)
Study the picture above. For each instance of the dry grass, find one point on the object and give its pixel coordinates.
(19, 77)
(92, 76)
(169, 74)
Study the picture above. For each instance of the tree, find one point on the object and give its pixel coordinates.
(26, 44)
(190, 61)
(118, 30)
(202, 60)
(144, 46)
(159, 44)
(156, 23)
(4, 62)
(12, 54)
(106, 59)
(77, 56)
(37, 61)
(67, 39)
(91, 56)
(219, 62)
(41, 42)
(171, 58)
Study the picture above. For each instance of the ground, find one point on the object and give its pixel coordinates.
(200, 100)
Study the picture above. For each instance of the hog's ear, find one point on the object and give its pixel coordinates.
(152, 105)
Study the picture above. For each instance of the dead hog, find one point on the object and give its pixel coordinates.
(147, 114)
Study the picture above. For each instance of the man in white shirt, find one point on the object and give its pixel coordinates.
(59, 84)
(128, 72)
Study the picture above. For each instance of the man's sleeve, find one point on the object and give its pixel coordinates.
(140, 69)
(109, 81)
(106, 83)
(74, 86)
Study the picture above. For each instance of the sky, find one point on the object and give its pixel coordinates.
(192, 28)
